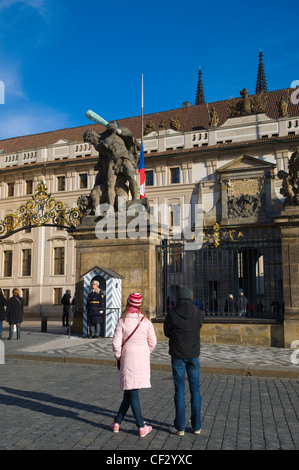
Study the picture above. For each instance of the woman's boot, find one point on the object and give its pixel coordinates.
(10, 332)
(18, 332)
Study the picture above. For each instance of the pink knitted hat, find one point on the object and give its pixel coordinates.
(134, 300)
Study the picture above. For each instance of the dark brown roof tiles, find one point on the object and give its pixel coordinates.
(190, 118)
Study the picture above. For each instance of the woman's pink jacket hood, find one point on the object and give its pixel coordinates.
(135, 356)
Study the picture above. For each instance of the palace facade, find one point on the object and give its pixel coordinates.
(223, 155)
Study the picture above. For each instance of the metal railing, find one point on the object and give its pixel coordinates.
(218, 275)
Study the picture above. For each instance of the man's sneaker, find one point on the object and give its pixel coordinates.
(196, 432)
(114, 427)
(173, 430)
(144, 431)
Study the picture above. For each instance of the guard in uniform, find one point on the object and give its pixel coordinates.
(95, 310)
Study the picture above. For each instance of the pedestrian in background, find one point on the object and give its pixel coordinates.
(242, 304)
(134, 340)
(66, 302)
(95, 310)
(15, 312)
(230, 306)
(3, 304)
(182, 326)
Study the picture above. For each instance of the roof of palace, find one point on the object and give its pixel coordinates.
(191, 118)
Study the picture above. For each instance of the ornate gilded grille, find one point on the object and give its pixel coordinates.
(41, 209)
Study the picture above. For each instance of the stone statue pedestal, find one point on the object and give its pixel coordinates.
(133, 259)
(288, 221)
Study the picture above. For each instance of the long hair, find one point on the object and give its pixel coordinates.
(138, 308)
(15, 292)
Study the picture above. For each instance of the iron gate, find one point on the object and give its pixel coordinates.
(219, 275)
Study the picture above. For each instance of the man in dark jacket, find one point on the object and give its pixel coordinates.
(182, 327)
(15, 312)
(66, 302)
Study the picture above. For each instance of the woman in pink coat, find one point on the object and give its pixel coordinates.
(135, 359)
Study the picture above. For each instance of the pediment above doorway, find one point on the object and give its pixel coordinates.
(245, 163)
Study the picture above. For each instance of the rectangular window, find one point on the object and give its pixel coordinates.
(57, 295)
(10, 189)
(58, 261)
(29, 187)
(60, 183)
(175, 215)
(174, 175)
(149, 178)
(25, 295)
(83, 180)
(7, 263)
(26, 265)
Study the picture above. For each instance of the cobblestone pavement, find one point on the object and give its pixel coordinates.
(54, 406)
(56, 345)
(48, 402)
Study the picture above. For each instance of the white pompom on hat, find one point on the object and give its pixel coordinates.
(134, 300)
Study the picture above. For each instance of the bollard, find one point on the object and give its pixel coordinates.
(44, 325)
(2, 353)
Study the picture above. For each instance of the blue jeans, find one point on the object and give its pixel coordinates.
(179, 368)
(131, 397)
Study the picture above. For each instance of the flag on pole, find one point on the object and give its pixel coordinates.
(141, 170)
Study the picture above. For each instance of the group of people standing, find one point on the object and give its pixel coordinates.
(232, 307)
(12, 311)
(134, 340)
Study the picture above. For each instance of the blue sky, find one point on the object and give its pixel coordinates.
(59, 58)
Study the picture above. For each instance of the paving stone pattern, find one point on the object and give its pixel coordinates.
(56, 406)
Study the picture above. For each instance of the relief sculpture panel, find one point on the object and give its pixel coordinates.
(246, 198)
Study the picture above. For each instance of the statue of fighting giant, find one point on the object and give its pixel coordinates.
(290, 180)
(117, 163)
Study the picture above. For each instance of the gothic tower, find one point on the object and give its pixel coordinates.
(261, 84)
(200, 97)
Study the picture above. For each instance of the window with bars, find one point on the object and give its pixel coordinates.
(29, 187)
(7, 271)
(83, 180)
(149, 178)
(60, 183)
(175, 215)
(10, 189)
(57, 294)
(58, 261)
(25, 296)
(174, 175)
(26, 262)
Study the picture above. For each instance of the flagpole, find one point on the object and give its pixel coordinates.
(141, 158)
(142, 107)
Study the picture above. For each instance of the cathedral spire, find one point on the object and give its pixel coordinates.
(200, 97)
(261, 84)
